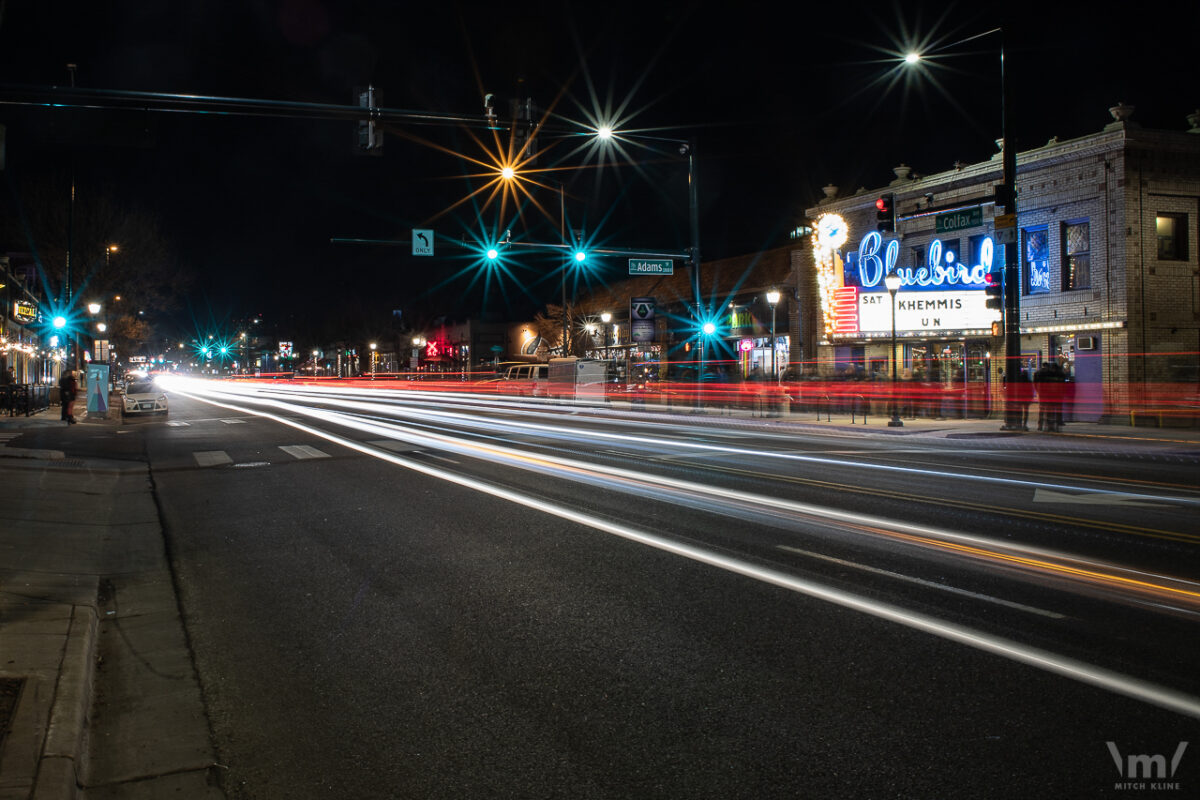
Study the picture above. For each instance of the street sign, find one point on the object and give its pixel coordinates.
(651, 266)
(1006, 220)
(959, 220)
(422, 242)
(641, 318)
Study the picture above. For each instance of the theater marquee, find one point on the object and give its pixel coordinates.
(942, 297)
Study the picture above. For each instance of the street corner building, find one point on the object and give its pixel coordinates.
(1106, 231)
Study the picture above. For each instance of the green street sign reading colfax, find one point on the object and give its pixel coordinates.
(651, 266)
(959, 220)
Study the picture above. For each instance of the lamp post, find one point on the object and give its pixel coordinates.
(372, 345)
(1006, 196)
(892, 281)
(773, 298)
(606, 317)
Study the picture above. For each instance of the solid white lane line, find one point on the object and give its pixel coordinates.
(922, 582)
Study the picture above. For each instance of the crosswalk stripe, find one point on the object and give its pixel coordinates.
(302, 451)
(211, 458)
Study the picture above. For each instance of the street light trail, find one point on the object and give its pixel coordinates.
(1075, 669)
(576, 433)
(1116, 580)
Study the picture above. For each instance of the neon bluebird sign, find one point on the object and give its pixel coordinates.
(941, 269)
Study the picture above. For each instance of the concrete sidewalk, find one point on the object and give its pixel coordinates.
(107, 703)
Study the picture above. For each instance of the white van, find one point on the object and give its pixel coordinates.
(526, 380)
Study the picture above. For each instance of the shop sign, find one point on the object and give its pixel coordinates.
(24, 311)
(941, 270)
(942, 294)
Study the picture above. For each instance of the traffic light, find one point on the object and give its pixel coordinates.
(885, 213)
(994, 287)
(370, 131)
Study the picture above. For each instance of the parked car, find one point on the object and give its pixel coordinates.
(143, 397)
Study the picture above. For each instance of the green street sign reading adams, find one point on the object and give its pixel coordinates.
(651, 266)
(959, 220)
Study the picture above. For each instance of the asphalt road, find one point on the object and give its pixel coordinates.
(433, 597)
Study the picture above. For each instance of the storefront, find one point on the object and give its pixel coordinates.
(938, 319)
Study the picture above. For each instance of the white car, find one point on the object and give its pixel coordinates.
(143, 397)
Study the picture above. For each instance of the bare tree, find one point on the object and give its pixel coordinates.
(117, 250)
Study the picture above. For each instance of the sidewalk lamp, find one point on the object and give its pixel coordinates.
(773, 299)
(892, 281)
(372, 345)
(606, 318)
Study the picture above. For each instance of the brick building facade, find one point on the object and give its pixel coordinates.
(1109, 268)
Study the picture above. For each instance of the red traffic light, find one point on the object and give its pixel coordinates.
(885, 213)
(994, 289)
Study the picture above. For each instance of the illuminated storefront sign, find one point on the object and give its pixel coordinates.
(940, 297)
(24, 312)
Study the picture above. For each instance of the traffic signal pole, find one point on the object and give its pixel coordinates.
(1012, 278)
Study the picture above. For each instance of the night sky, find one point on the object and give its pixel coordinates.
(780, 103)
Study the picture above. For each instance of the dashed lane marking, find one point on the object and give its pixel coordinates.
(178, 424)
(302, 451)
(921, 582)
(234, 421)
(211, 458)
(395, 445)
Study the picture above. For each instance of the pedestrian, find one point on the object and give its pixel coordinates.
(68, 388)
(1041, 383)
(1023, 396)
(1058, 392)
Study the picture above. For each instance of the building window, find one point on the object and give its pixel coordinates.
(918, 256)
(975, 245)
(1036, 266)
(1077, 246)
(1172, 237)
(950, 253)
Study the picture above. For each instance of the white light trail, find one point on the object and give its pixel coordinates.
(1064, 666)
(404, 397)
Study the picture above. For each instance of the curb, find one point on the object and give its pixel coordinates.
(25, 452)
(63, 758)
